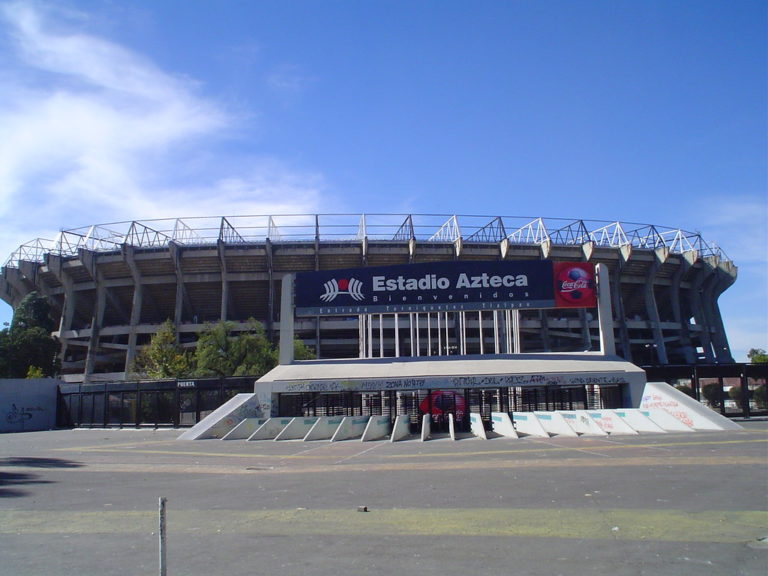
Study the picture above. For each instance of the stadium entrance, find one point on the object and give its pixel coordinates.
(439, 404)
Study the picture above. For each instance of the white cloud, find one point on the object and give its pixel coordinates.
(95, 132)
(739, 224)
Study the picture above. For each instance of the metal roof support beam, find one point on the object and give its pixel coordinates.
(228, 234)
(405, 232)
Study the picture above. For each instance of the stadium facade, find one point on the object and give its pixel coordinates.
(111, 286)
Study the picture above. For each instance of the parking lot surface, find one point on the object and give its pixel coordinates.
(86, 502)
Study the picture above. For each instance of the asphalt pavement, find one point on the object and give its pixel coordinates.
(87, 502)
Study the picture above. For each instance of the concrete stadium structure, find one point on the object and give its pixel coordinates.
(112, 285)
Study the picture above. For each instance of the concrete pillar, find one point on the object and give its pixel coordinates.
(224, 309)
(618, 305)
(652, 311)
(136, 304)
(605, 311)
(286, 321)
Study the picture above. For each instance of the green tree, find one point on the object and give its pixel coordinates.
(301, 351)
(163, 357)
(757, 356)
(712, 393)
(761, 396)
(27, 342)
(222, 352)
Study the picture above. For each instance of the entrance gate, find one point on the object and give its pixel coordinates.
(439, 404)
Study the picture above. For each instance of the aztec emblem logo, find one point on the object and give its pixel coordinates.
(335, 287)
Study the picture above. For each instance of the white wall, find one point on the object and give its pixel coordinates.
(27, 405)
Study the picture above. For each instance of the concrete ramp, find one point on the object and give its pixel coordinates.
(270, 429)
(611, 422)
(502, 425)
(297, 429)
(324, 428)
(582, 423)
(639, 421)
(660, 395)
(222, 420)
(378, 428)
(527, 424)
(352, 427)
(555, 424)
(245, 429)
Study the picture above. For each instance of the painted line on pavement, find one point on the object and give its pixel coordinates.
(716, 526)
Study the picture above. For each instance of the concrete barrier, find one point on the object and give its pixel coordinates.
(297, 428)
(639, 421)
(527, 424)
(378, 427)
(451, 426)
(686, 409)
(611, 422)
(426, 427)
(581, 423)
(477, 426)
(401, 429)
(270, 429)
(324, 428)
(245, 429)
(666, 421)
(555, 424)
(351, 427)
(502, 425)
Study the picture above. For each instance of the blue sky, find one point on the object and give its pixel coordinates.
(650, 112)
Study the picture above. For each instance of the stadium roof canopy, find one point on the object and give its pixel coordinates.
(295, 228)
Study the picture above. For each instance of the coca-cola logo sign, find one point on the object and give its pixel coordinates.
(575, 285)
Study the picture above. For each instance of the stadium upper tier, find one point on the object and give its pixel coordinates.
(110, 286)
(233, 230)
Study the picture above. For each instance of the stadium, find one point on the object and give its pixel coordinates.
(110, 286)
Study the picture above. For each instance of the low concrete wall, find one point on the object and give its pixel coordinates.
(270, 429)
(297, 429)
(324, 428)
(28, 405)
(526, 423)
(378, 428)
(402, 428)
(244, 430)
(555, 424)
(582, 424)
(639, 421)
(502, 425)
(476, 425)
(351, 427)
(611, 422)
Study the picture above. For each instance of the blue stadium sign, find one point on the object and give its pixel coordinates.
(445, 286)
